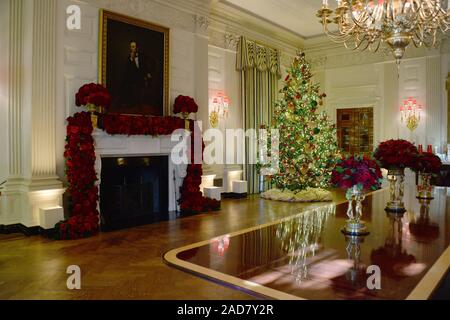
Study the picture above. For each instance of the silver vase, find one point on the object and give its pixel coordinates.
(355, 226)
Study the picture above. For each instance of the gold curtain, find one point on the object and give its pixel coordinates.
(260, 71)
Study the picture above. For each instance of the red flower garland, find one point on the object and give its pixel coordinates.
(140, 125)
(94, 94)
(396, 154)
(81, 175)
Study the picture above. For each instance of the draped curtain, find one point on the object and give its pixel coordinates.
(260, 71)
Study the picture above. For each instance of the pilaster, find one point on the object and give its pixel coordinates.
(32, 182)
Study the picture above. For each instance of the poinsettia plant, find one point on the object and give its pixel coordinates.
(357, 170)
(93, 95)
(396, 154)
(427, 162)
(185, 104)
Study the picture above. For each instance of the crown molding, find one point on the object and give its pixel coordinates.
(194, 7)
(231, 20)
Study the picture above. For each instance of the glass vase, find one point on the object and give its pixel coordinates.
(424, 188)
(396, 178)
(355, 226)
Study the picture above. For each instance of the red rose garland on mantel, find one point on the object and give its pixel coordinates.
(80, 168)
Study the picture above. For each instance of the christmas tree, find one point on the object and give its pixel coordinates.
(307, 139)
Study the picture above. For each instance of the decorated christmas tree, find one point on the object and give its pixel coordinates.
(307, 139)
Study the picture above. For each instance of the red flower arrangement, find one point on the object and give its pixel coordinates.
(396, 154)
(362, 171)
(140, 125)
(80, 169)
(185, 104)
(427, 162)
(81, 176)
(93, 94)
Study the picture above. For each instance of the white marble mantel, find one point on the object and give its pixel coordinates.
(128, 146)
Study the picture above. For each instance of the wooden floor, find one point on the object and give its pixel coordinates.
(128, 264)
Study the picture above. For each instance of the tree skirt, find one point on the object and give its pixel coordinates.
(307, 195)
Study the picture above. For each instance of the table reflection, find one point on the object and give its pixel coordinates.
(307, 256)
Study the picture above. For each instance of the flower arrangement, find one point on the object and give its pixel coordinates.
(396, 154)
(427, 162)
(140, 125)
(81, 176)
(80, 169)
(185, 105)
(354, 170)
(93, 95)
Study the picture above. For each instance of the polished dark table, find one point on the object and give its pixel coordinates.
(307, 257)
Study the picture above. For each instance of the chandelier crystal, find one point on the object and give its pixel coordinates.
(366, 24)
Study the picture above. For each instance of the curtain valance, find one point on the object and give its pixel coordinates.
(254, 55)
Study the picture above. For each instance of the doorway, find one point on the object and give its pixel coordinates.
(355, 130)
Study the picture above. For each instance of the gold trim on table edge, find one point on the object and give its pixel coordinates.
(423, 290)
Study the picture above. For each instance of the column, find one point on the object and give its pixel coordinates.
(32, 183)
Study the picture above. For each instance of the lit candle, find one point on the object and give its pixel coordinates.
(325, 3)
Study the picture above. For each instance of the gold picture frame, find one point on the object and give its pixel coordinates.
(146, 32)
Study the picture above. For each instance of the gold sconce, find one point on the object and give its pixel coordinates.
(410, 111)
(221, 105)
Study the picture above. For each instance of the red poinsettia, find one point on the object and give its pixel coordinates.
(427, 162)
(394, 154)
(362, 171)
(93, 94)
(185, 104)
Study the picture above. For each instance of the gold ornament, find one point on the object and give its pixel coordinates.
(214, 119)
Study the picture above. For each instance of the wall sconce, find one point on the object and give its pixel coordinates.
(410, 111)
(221, 105)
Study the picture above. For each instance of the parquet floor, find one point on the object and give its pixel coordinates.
(128, 264)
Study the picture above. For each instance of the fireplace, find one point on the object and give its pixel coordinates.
(133, 191)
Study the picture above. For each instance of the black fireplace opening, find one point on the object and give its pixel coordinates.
(133, 191)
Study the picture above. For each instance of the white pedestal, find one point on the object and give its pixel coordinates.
(48, 217)
(207, 181)
(229, 177)
(213, 193)
(239, 186)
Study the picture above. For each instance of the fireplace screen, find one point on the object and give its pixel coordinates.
(133, 191)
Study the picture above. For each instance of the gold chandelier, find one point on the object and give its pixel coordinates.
(366, 24)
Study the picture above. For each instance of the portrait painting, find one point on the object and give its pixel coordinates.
(134, 64)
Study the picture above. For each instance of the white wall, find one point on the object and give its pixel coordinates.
(380, 86)
(4, 37)
(223, 77)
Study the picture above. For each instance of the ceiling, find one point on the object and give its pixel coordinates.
(297, 16)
